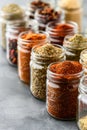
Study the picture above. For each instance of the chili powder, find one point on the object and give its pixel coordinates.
(62, 89)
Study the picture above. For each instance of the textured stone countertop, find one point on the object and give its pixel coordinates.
(19, 110)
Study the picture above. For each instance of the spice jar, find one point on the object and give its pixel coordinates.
(83, 60)
(12, 33)
(9, 13)
(26, 41)
(46, 15)
(33, 6)
(41, 57)
(62, 89)
(57, 31)
(73, 11)
(82, 104)
(74, 45)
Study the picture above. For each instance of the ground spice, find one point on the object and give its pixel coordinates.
(26, 41)
(9, 13)
(43, 55)
(74, 45)
(83, 123)
(62, 89)
(57, 31)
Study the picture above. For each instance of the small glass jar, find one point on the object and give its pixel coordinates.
(34, 5)
(57, 31)
(46, 15)
(9, 14)
(82, 104)
(73, 11)
(38, 67)
(24, 53)
(12, 33)
(73, 51)
(83, 60)
(62, 93)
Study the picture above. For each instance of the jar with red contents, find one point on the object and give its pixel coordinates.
(34, 5)
(57, 31)
(46, 15)
(63, 80)
(12, 32)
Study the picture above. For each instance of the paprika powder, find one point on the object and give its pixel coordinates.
(26, 41)
(62, 89)
(57, 31)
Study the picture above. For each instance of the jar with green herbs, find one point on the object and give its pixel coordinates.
(41, 57)
(83, 60)
(82, 104)
(8, 14)
(74, 45)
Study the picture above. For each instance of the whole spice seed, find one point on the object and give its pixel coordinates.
(74, 45)
(83, 123)
(62, 89)
(41, 57)
(45, 15)
(25, 43)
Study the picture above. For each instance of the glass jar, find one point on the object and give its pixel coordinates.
(34, 5)
(46, 15)
(62, 93)
(82, 105)
(73, 50)
(12, 33)
(9, 14)
(57, 31)
(24, 53)
(73, 11)
(83, 60)
(39, 66)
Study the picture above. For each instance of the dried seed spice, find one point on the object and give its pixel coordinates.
(43, 55)
(83, 123)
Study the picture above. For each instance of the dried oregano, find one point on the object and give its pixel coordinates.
(40, 59)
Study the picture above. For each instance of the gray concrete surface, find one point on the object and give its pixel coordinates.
(19, 110)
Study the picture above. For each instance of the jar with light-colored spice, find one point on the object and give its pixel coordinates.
(73, 11)
(26, 41)
(83, 60)
(82, 105)
(8, 14)
(41, 57)
(74, 45)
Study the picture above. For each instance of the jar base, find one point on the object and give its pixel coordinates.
(62, 119)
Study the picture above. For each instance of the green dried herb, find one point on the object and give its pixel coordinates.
(78, 41)
(74, 45)
(45, 55)
(83, 123)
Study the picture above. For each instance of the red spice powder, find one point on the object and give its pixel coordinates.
(63, 27)
(66, 67)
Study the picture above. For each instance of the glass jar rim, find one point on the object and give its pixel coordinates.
(55, 74)
(83, 87)
(27, 41)
(81, 54)
(66, 39)
(38, 55)
(71, 23)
